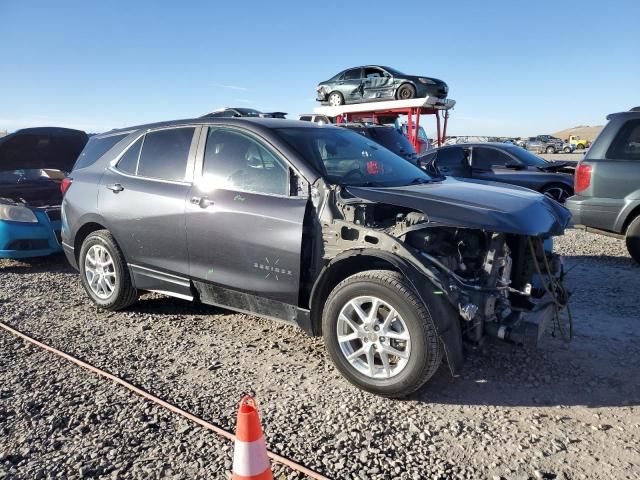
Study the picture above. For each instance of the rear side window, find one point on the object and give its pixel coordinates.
(128, 163)
(95, 149)
(626, 145)
(165, 153)
(352, 74)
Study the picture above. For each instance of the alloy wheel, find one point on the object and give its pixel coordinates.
(373, 337)
(100, 271)
(334, 100)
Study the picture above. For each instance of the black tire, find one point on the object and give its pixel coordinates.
(632, 239)
(557, 191)
(124, 293)
(567, 150)
(406, 92)
(550, 150)
(426, 349)
(580, 146)
(337, 96)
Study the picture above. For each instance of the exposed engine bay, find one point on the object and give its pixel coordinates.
(501, 284)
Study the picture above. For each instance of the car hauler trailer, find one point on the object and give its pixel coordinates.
(388, 112)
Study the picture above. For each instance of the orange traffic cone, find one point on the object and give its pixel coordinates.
(250, 459)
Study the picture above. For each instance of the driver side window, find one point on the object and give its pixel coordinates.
(489, 158)
(235, 161)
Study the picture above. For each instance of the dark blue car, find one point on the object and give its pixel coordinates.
(33, 165)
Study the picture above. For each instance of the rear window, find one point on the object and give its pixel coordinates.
(626, 145)
(95, 149)
(165, 154)
(393, 140)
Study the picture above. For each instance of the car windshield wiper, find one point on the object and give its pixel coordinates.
(419, 180)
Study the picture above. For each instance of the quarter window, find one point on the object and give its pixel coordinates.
(95, 149)
(626, 145)
(233, 161)
(128, 163)
(165, 153)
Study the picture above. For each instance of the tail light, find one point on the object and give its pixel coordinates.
(583, 177)
(66, 183)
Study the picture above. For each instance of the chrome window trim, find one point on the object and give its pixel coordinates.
(191, 158)
(260, 140)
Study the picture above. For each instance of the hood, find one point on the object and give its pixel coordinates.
(562, 167)
(41, 148)
(476, 204)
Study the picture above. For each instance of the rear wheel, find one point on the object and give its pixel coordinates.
(104, 272)
(406, 92)
(551, 150)
(380, 335)
(567, 150)
(580, 146)
(559, 193)
(632, 239)
(336, 99)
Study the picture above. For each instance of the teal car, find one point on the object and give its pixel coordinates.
(33, 163)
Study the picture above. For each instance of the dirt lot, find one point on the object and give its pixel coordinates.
(563, 411)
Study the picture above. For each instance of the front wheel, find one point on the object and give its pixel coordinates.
(567, 150)
(336, 99)
(580, 146)
(406, 92)
(104, 273)
(551, 150)
(632, 239)
(380, 335)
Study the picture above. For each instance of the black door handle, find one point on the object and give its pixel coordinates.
(115, 187)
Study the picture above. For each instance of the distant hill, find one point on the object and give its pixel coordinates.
(582, 131)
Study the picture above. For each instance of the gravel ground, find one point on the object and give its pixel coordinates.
(561, 411)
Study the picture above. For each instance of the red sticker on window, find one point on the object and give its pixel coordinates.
(374, 168)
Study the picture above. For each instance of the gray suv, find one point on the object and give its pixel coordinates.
(322, 228)
(607, 182)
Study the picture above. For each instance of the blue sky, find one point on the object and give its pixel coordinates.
(515, 68)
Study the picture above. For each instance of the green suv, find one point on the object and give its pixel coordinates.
(607, 182)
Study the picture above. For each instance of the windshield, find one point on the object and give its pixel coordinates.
(528, 158)
(394, 72)
(347, 158)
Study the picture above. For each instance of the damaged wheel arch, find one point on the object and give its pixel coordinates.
(353, 261)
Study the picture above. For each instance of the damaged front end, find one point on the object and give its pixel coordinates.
(490, 263)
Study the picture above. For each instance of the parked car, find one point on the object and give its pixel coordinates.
(373, 83)
(317, 226)
(578, 143)
(33, 162)
(502, 162)
(544, 144)
(243, 112)
(607, 182)
(315, 118)
(388, 137)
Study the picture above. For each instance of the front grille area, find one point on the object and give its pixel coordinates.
(53, 214)
(34, 244)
